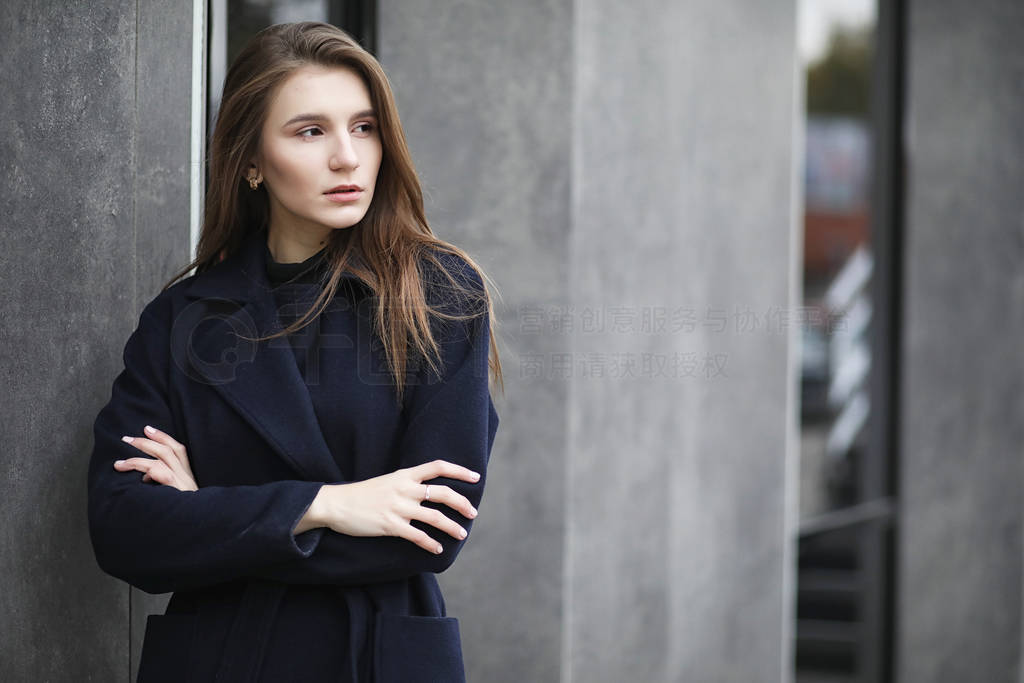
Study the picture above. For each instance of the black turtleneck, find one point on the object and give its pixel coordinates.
(307, 271)
(295, 287)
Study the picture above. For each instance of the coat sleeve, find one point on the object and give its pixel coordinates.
(451, 417)
(161, 539)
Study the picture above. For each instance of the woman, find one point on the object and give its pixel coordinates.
(299, 438)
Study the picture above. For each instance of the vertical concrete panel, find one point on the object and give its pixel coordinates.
(634, 168)
(960, 554)
(162, 181)
(163, 175)
(67, 253)
(683, 213)
(484, 91)
(94, 220)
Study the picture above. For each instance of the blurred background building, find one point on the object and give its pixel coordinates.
(761, 266)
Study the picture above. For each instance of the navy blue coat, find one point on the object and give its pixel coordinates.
(252, 602)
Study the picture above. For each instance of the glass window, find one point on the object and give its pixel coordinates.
(844, 577)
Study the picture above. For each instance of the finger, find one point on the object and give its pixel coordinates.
(439, 520)
(162, 474)
(440, 493)
(143, 465)
(177, 448)
(443, 468)
(140, 464)
(151, 476)
(419, 537)
(159, 451)
(154, 470)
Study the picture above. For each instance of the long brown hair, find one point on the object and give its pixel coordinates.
(386, 249)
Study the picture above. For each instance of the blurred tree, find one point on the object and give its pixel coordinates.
(840, 82)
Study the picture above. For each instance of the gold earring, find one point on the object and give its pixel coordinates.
(254, 181)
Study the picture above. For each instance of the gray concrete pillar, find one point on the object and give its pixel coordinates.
(485, 95)
(960, 547)
(633, 167)
(94, 130)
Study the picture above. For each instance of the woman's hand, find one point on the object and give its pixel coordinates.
(171, 466)
(385, 505)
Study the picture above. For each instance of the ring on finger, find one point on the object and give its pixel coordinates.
(426, 493)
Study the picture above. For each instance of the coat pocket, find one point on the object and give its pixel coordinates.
(421, 649)
(166, 648)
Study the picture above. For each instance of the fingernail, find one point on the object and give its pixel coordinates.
(472, 512)
(119, 462)
(149, 430)
(476, 475)
(127, 439)
(462, 533)
(439, 549)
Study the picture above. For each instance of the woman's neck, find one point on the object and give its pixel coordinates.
(295, 246)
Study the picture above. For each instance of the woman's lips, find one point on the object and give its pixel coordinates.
(345, 196)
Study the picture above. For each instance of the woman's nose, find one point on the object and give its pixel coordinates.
(344, 154)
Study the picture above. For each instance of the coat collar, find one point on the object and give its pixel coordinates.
(261, 381)
(242, 276)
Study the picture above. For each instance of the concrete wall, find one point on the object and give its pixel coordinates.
(93, 219)
(961, 528)
(485, 95)
(163, 74)
(623, 161)
(679, 491)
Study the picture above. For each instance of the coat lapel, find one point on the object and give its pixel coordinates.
(261, 380)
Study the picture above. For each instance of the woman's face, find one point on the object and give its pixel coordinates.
(319, 136)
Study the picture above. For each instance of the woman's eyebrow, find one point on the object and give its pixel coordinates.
(304, 117)
(366, 113)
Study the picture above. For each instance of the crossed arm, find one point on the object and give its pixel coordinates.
(162, 532)
(381, 506)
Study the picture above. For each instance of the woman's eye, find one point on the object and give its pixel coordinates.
(364, 127)
(311, 131)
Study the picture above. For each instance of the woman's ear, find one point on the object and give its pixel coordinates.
(253, 166)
